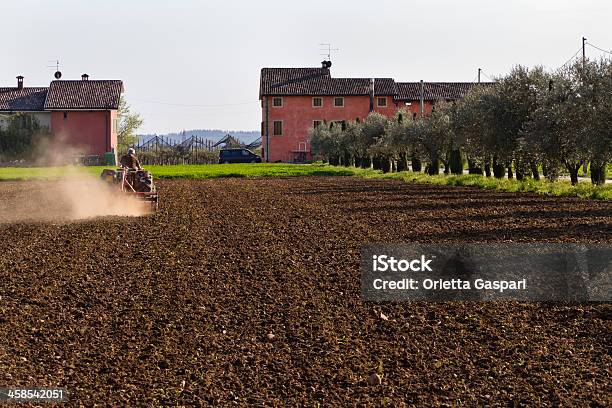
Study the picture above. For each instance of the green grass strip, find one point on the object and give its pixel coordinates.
(560, 188)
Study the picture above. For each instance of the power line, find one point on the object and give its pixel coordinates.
(488, 77)
(194, 105)
(600, 49)
(571, 58)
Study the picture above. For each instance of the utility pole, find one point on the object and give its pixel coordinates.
(479, 69)
(372, 92)
(267, 131)
(422, 98)
(585, 165)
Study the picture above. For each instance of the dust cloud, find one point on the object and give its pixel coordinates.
(77, 195)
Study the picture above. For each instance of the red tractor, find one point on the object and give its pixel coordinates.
(136, 183)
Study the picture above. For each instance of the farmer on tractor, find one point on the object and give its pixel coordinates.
(130, 161)
(132, 180)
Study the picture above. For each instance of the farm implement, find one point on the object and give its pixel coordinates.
(135, 183)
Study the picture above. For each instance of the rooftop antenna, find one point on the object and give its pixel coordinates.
(327, 50)
(55, 65)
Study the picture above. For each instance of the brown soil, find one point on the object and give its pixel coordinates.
(247, 292)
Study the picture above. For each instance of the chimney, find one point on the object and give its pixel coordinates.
(20, 82)
(85, 77)
(326, 65)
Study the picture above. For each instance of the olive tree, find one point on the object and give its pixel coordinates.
(129, 122)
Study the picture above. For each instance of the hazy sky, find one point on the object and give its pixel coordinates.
(210, 53)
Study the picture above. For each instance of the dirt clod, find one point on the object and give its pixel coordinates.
(374, 379)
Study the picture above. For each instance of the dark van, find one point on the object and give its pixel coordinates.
(238, 155)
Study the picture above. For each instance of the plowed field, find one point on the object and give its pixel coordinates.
(247, 292)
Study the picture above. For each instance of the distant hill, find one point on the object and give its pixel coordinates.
(211, 134)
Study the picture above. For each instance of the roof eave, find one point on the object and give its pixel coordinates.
(55, 109)
(327, 94)
(21, 110)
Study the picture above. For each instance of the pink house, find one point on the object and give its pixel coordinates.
(294, 100)
(79, 113)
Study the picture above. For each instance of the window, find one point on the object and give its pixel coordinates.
(317, 102)
(65, 115)
(277, 102)
(381, 102)
(278, 128)
(316, 124)
(338, 124)
(339, 102)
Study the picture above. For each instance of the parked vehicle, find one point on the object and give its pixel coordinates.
(238, 155)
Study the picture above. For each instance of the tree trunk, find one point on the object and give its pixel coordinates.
(519, 168)
(574, 176)
(473, 168)
(487, 169)
(402, 164)
(415, 163)
(573, 171)
(510, 175)
(456, 162)
(534, 171)
(434, 167)
(598, 172)
(446, 167)
(363, 162)
(386, 164)
(499, 171)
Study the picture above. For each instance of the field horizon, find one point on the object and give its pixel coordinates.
(584, 189)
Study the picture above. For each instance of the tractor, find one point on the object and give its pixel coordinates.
(135, 183)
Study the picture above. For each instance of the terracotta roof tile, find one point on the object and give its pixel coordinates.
(24, 99)
(91, 94)
(318, 81)
(411, 91)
